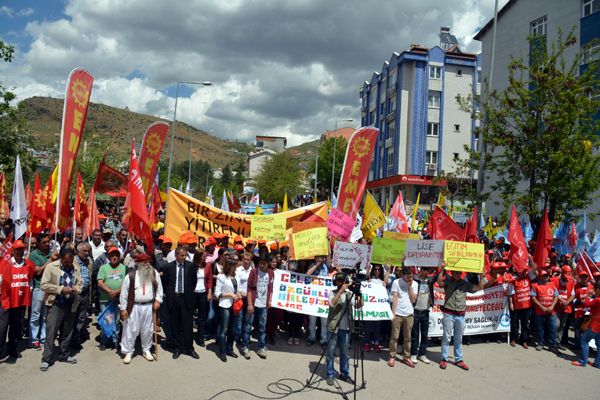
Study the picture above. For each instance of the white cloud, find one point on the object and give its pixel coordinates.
(25, 12)
(6, 11)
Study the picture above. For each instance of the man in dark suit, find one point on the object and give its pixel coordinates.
(180, 280)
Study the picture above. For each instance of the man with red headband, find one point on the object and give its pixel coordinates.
(141, 296)
(16, 274)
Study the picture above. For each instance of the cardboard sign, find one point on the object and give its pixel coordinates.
(310, 243)
(347, 255)
(339, 225)
(400, 235)
(463, 256)
(388, 251)
(268, 227)
(424, 253)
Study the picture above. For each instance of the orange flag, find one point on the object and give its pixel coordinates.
(4, 205)
(77, 98)
(49, 204)
(28, 195)
(80, 211)
(92, 221)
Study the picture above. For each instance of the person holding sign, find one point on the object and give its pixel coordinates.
(404, 293)
(319, 268)
(454, 309)
(339, 326)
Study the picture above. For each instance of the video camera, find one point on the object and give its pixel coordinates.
(356, 278)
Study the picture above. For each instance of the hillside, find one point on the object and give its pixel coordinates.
(114, 127)
(305, 152)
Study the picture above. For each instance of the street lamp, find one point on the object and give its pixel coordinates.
(334, 146)
(206, 83)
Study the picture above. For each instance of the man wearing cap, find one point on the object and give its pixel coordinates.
(404, 295)
(110, 280)
(593, 329)
(41, 257)
(16, 274)
(583, 289)
(106, 236)
(61, 281)
(519, 303)
(498, 248)
(455, 305)
(238, 240)
(187, 241)
(140, 297)
(97, 244)
(180, 282)
(250, 243)
(544, 297)
(566, 294)
(339, 326)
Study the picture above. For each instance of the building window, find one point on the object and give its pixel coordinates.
(590, 7)
(390, 160)
(391, 129)
(456, 127)
(591, 52)
(392, 78)
(372, 118)
(435, 72)
(431, 158)
(433, 129)
(455, 156)
(433, 100)
(392, 104)
(478, 76)
(538, 27)
(459, 72)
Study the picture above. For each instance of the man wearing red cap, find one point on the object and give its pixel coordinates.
(583, 289)
(566, 294)
(16, 274)
(544, 297)
(141, 296)
(110, 279)
(592, 331)
(519, 301)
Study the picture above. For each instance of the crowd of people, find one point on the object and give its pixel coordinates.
(219, 288)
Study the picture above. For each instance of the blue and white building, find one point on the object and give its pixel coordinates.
(412, 100)
(539, 20)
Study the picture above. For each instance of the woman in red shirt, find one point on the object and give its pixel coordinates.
(593, 331)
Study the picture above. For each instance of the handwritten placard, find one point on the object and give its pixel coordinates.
(339, 225)
(388, 251)
(310, 243)
(424, 253)
(347, 255)
(463, 256)
(268, 227)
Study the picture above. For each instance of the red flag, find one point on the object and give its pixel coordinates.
(543, 241)
(92, 221)
(572, 236)
(442, 227)
(398, 213)
(49, 207)
(4, 206)
(155, 204)
(77, 98)
(230, 202)
(138, 221)
(356, 169)
(152, 144)
(80, 212)
(518, 247)
(5, 248)
(236, 203)
(471, 228)
(109, 181)
(38, 220)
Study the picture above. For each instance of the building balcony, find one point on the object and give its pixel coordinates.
(390, 116)
(391, 90)
(431, 169)
(389, 142)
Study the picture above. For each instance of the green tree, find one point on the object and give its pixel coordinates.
(460, 182)
(240, 172)
(279, 175)
(325, 167)
(226, 176)
(542, 133)
(14, 136)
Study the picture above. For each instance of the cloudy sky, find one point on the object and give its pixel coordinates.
(286, 68)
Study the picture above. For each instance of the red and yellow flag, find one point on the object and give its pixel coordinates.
(80, 212)
(77, 98)
(92, 221)
(38, 220)
(49, 202)
(356, 169)
(137, 215)
(152, 144)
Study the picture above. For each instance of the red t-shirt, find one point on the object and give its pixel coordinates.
(581, 293)
(16, 283)
(545, 295)
(594, 305)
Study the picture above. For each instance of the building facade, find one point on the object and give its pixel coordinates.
(525, 26)
(413, 102)
(266, 147)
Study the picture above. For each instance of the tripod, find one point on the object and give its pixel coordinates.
(357, 350)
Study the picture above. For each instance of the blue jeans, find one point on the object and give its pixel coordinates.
(212, 326)
(239, 325)
(37, 320)
(261, 314)
(586, 336)
(338, 339)
(225, 336)
(420, 330)
(453, 325)
(372, 329)
(546, 329)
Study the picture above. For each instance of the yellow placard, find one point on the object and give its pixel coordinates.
(463, 256)
(388, 251)
(401, 235)
(268, 227)
(310, 243)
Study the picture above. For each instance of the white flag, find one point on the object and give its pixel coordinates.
(224, 203)
(18, 208)
(188, 189)
(209, 197)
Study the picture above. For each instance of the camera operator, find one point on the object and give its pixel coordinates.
(404, 291)
(339, 326)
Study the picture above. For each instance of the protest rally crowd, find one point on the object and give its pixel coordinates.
(196, 273)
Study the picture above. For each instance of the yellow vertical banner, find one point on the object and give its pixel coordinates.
(373, 217)
(413, 224)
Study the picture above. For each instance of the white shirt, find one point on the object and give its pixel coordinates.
(97, 251)
(241, 276)
(171, 256)
(200, 287)
(224, 286)
(404, 306)
(177, 278)
(143, 293)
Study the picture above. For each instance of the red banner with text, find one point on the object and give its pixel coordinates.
(152, 144)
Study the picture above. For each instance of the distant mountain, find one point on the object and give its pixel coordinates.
(113, 127)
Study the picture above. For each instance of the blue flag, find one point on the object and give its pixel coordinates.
(583, 241)
(107, 320)
(594, 249)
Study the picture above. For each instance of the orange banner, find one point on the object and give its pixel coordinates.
(77, 98)
(152, 144)
(356, 170)
(185, 213)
